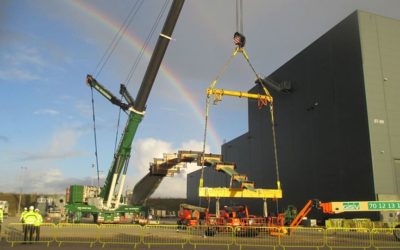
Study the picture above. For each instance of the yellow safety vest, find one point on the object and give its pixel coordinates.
(30, 217)
(21, 219)
(1, 215)
(39, 220)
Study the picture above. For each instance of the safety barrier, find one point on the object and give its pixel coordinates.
(211, 235)
(163, 235)
(363, 223)
(304, 237)
(347, 238)
(20, 233)
(384, 238)
(76, 233)
(256, 237)
(249, 236)
(117, 234)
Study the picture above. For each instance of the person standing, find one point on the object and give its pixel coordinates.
(21, 218)
(29, 220)
(37, 224)
(1, 219)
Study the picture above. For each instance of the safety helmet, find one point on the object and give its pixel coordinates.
(36, 209)
(31, 208)
(25, 208)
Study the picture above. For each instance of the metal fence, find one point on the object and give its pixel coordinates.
(28, 234)
(76, 233)
(211, 235)
(115, 234)
(249, 236)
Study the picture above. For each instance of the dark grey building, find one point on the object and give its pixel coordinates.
(338, 131)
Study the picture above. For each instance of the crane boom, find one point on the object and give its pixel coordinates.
(158, 54)
(134, 108)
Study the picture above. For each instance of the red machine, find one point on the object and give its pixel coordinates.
(189, 215)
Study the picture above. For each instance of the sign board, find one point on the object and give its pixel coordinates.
(383, 205)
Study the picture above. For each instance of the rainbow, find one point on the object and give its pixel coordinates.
(137, 44)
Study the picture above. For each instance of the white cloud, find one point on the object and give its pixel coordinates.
(83, 108)
(52, 181)
(61, 146)
(25, 56)
(146, 150)
(46, 112)
(17, 74)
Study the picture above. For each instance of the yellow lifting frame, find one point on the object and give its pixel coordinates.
(221, 192)
(264, 99)
(218, 93)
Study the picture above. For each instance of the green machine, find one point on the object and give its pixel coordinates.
(105, 203)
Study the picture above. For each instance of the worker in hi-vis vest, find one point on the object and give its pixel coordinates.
(29, 220)
(37, 224)
(1, 219)
(21, 218)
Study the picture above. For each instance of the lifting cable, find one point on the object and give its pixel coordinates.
(146, 43)
(117, 37)
(103, 61)
(95, 139)
(136, 63)
(240, 40)
(239, 16)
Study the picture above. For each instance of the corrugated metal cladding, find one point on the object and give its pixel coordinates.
(339, 97)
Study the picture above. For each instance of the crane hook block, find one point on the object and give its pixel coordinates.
(239, 39)
(89, 80)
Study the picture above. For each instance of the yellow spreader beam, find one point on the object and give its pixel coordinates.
(218, 93)
(221, 192)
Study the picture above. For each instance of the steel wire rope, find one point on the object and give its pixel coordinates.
(103, 61)
(146, 43)
(95, 138)
(271, 109)
(136, 63)
(271, 113)
(239, 16)
(239, 24)
(117, 37)
(212, 85)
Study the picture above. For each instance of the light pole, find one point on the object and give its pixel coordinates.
(20, 189)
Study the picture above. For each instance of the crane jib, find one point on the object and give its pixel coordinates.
(135, 109)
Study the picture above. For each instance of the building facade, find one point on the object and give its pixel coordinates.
(338, 130)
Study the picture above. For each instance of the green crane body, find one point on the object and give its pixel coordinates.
(122, 155)
(135, 109)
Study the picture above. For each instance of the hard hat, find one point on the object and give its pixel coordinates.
(31, 208)
(25, 208)
(36, 209)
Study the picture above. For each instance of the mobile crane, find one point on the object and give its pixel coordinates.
(104, 203)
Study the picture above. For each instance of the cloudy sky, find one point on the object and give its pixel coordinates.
(48, 47)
